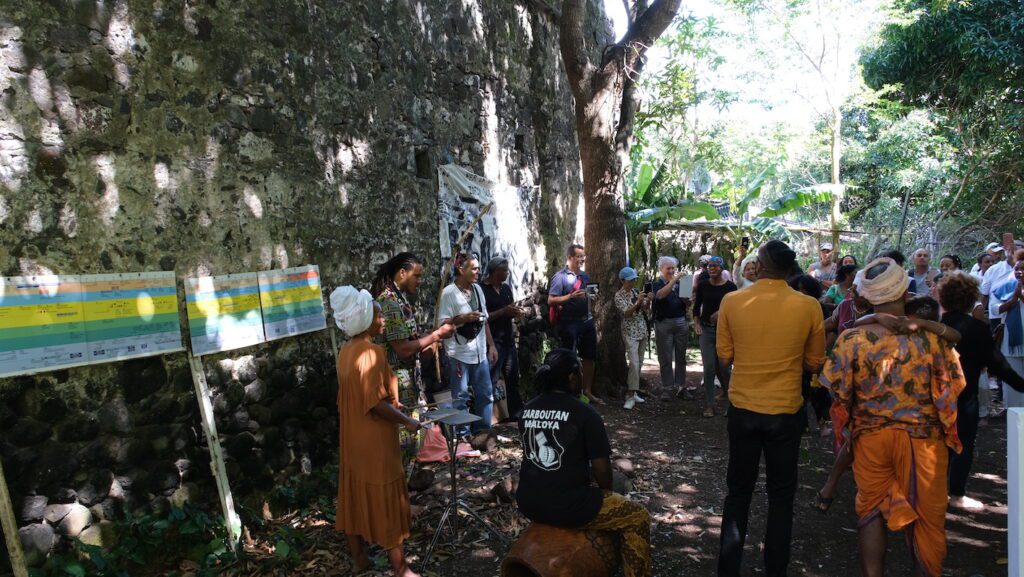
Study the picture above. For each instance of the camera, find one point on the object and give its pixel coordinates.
(469, 331)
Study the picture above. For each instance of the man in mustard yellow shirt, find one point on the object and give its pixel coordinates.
(770, 334)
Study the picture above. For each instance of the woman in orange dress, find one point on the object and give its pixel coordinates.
(373, 502)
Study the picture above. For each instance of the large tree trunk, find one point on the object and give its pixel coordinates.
(605, 239)
(605, 108)
(836, 152)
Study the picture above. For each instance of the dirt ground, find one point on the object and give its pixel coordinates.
(680, 460)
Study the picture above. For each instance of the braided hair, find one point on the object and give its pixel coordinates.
(559, 365)
(384, 278)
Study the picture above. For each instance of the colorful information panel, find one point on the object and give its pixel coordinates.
(130, 315)
(42, 324)
(292, 301)
(224, 312)
(53, 322)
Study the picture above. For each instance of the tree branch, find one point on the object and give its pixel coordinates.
(963, 185)
(573, 47)
(648, 26)
(545, 7)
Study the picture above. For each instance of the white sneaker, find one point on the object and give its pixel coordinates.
(638, 398)
(968, 503)
(630, 403)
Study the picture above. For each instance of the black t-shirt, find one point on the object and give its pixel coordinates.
(560, 436)
(708, 298)
(978, 351)
(670, 307)
(502, 330)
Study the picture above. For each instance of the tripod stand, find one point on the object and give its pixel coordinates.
(451, 510)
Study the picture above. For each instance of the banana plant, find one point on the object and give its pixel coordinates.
(800, 198)
(649, 202)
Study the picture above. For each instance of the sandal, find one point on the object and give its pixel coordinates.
(822, 504)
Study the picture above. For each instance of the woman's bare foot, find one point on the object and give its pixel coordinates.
(360, 566)
(357, 551)
(398, 563)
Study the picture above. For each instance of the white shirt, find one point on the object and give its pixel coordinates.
(996, 275)
(454, 303)
(997, 271)
(1005, 347)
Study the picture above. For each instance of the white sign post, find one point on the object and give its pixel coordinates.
(231, 519)
(1015, 488)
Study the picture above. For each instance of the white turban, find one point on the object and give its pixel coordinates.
(353, 309)
(886, 287)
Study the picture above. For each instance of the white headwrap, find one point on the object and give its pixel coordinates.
(886, 287)
(353, 309)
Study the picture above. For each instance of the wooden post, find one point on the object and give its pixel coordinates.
(1015, 488)
(334, 340)
(10, 527)
(231, 520)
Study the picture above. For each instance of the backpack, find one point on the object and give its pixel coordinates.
(555, 311)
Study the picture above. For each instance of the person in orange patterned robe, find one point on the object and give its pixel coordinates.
(896, 397)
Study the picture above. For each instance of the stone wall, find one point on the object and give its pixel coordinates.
(220, 137)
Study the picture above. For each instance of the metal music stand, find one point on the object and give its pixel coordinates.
(451, 510)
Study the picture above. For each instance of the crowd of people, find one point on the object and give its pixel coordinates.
(905, 362)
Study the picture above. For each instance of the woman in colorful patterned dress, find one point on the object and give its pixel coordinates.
(398, 279)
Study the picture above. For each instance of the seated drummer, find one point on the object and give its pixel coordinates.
(565, 450)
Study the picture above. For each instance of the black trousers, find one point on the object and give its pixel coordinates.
(778, 438)
(967, 428)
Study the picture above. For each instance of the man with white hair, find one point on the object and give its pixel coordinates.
(671, 329)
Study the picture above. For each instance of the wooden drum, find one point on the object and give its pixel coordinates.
(547, 551)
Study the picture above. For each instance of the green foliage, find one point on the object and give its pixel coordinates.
(798, 199)
(686, 210)
(951, 55)
(146, 542)
(310, 495)
(962, 64)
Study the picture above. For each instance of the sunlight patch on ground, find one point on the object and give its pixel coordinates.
(954, 537)
(966, 520)
(990, 477)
